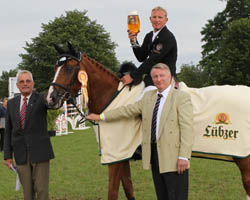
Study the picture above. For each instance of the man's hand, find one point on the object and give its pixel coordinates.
(182, 165)
(93, 117)
(132, 36)
(9, 162)
(126, 79)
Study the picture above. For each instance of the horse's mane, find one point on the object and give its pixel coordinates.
(100, 66)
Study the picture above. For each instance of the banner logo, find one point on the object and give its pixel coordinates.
(222, 118)
(218, 129)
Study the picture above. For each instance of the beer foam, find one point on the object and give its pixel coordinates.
(134, 12)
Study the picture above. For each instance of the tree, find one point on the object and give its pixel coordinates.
(234, 54)
(4, 82)
(213, 38)
(86, 36)
(192, 76)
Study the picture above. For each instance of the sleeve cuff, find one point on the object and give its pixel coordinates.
(102, 117)
(182, 158)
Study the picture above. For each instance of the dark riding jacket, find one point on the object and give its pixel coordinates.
(162, 50)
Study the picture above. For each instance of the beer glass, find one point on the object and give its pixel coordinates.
(133, 22)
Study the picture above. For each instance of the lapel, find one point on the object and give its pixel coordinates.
(16, 111)
(151, 104)
(150, 43)
(165, 111)
(156, 40)
(29, 110)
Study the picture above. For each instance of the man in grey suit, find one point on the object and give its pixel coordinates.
(167, 125)
(26, 137)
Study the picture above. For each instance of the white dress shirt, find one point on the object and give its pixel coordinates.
(21, 102)
(155, 34)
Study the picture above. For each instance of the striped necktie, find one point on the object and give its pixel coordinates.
(154, 119)
(23, 112)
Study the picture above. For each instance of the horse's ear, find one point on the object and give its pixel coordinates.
(59, 49)
(72, 49)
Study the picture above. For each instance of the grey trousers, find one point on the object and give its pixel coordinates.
(34, 178)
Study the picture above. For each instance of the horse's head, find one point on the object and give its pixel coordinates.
(65, 84)
(74, 72)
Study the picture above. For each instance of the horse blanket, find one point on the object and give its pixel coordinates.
(120, 139)
(221, 121)
(221, 124)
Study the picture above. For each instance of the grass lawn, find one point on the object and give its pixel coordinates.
(76, 174)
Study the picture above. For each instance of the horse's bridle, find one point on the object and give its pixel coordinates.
(61, 60)
(66, 95)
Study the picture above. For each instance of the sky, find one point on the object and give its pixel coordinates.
(21, 20)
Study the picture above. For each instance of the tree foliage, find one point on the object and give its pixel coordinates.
(234, 54)
(86, 36)
(214, 34)
(192, 76)
(4, 82)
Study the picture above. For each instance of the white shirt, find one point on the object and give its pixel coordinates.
(155, 34)
(21, 102)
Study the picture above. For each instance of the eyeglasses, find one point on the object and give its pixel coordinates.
(25, 81)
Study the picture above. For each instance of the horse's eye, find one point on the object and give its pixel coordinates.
(68, 68)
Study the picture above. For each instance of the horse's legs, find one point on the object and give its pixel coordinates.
(120, 171)
(114, 180)
(126, 180)
(244, 166)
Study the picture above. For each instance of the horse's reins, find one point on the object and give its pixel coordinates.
(83, 116)
(70, 99)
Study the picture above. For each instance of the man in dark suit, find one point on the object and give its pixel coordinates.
(2, 121)
(26, 137)
(167, 139)
(159, 46)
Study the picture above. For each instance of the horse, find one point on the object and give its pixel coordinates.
(102, 85)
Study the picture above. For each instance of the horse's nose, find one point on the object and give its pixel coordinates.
(50, 96)
(53, 96)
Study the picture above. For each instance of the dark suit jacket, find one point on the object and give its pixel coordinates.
(162, 50)
(34, 139)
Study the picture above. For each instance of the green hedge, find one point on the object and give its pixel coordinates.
(51, 118)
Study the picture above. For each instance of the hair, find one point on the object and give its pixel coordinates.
(5, 98)
(161, 66)
(24, 72)
(160, 9)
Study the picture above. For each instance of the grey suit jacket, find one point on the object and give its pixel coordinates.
(176, 133)
(34, 139)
